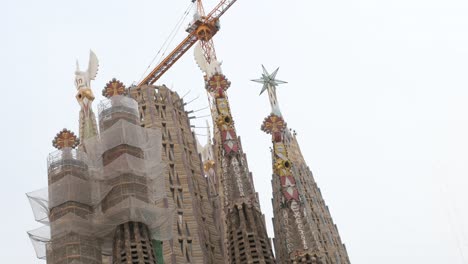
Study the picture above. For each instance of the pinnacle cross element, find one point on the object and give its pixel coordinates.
(269, 80)
(65, 139)
(269, 83)
(114, 87)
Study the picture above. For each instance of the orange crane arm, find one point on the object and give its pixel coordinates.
(165, 64)
(202, 30)
(220, 9)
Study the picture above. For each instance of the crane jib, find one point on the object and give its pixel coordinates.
(169, 60)
(221, 8)
(186, 44)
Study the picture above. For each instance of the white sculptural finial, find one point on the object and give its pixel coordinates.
(83, 78)
(85, 96)
(83, 82)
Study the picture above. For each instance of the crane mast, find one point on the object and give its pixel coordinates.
(203, 29)
(207, 47)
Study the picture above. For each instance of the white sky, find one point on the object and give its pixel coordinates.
(377, 93)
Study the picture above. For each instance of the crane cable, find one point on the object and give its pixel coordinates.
(168, 40)
(181, 21)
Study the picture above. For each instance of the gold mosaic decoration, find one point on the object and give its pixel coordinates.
(223, 120)
(209, 164)
(282, 164)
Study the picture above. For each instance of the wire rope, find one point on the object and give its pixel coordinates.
(169, 39)
(176, 29)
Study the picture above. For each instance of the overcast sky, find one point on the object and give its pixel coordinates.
(377, 93)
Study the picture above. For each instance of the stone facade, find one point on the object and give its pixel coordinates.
(196, 236)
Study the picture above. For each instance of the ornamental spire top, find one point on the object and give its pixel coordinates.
(83, 78)
(269, 83)
(65, 139)
(114, 87)
(85, 96)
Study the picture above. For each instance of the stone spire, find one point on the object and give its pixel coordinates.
(304, 231)
(244, 231)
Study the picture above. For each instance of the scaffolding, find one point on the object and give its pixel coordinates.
(118, 180)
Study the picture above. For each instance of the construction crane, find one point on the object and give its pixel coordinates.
(202, 29)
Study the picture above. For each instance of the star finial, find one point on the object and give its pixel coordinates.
(269, 80)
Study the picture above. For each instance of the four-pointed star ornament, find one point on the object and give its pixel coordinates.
(268, 80)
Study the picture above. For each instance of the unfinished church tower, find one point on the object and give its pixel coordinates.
(304, 229)
(245, 234)
(105, 194)
(196, 228)
(127, 159)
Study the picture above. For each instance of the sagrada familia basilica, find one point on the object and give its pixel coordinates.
(134, 186)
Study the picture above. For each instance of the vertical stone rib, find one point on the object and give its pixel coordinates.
(127, 244)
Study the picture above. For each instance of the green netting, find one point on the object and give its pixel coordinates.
(158, 251)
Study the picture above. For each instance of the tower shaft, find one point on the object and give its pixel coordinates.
(196, 232)
(132, 240)
(68, 243)
(245, 231)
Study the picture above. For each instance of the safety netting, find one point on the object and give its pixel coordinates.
(113, 178)
(117, 104)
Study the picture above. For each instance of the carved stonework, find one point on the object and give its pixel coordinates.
(83, 78)
(273, 124)
(114, 87)
(85, 97)
(65, 139)
(217, 82)
(83, 82)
